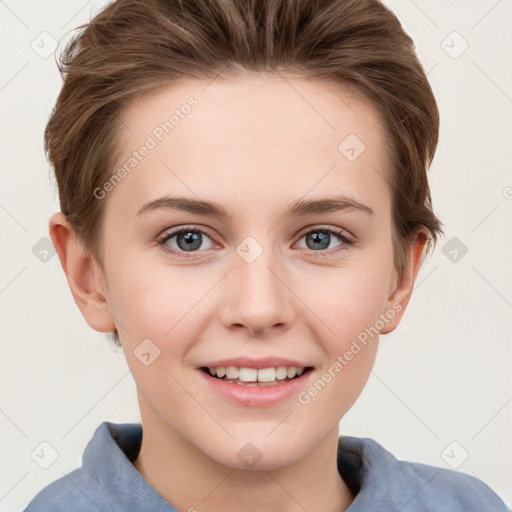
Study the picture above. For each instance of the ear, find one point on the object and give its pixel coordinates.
(85, 276)
(400, 295)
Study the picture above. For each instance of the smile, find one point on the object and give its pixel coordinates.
(253, 376)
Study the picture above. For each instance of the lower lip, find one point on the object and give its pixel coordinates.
(256, 396)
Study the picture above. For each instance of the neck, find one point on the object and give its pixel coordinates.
(192, 481)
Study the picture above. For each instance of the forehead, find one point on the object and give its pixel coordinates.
(264, 136)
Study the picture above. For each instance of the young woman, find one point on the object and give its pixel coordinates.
(245, 206)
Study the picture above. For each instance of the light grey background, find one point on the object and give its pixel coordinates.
(441, 388)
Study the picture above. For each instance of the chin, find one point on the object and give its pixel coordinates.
(255, 456)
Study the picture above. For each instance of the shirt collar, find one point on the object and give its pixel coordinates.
(367, 468)
(109, 456)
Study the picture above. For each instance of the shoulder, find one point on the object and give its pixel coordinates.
(378, 476)
(107, 479)
(76, 492)
(451, 490)
(83, 489)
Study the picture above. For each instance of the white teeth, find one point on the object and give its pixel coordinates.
(256, 375)
(248, 374)
(266, 374)
(281, 372)
(232, 372)
(292, 371)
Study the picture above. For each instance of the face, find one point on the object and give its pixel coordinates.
(272, 280)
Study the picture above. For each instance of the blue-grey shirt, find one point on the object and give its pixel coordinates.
(108, 481)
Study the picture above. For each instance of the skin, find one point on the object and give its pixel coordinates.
(254, 145)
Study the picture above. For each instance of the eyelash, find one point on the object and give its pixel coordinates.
(340, 233)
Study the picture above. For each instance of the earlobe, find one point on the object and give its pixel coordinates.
(400, 296)
(85, 277)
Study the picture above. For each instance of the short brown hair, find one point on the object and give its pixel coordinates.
(134, 47)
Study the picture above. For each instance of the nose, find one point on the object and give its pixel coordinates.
(256, 297)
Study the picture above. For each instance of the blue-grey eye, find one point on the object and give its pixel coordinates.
(187, 240)
(319, 240)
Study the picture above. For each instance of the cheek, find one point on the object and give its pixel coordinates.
(351, 310)
(171, 307)
(157, 304)
(153, 302)
(349, 303)
(348, 300)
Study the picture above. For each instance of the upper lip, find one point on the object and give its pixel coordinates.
(248, 362)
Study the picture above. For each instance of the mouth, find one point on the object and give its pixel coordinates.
(252, 377)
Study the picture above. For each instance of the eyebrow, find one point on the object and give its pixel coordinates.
(298, 208)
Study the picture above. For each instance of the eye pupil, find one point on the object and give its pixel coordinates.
(318, 237)
(192, 240)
